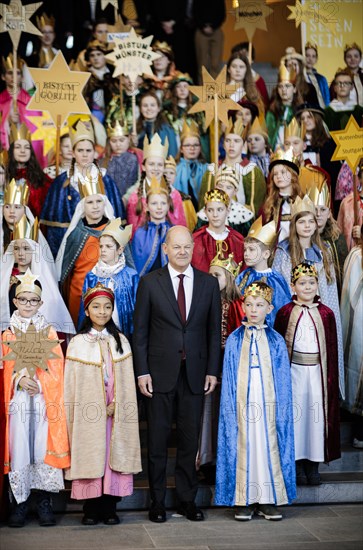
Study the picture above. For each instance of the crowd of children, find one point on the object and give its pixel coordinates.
(274, 220)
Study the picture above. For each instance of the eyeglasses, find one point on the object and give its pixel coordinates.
(343, 84)
(32, 302)
(191, 146)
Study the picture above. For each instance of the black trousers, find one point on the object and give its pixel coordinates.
(188, 410)
(100, 507)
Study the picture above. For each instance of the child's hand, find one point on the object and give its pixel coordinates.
(29, 385)
(134, 139)
(356, 232)
(110, 409)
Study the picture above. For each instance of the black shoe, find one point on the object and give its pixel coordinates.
(89, 520)
(301, 478)
(190, 511)
(157, 513)
(45, 510)
(112, 520)
(269, 511)
(18, 516)
(312, 472)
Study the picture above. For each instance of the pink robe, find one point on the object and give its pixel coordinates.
(345, 218)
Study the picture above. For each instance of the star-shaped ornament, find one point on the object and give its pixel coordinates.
(31, 349)
(318, 12)
(15, 19)
(206, 95)
(105, 3)
(251, 16)
(59, 90)
(349, 144)
(45, 131)
(132, 56)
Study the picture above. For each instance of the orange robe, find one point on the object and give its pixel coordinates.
(57, 453)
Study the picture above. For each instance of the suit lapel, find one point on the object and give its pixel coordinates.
(197, 289)
(167, 286)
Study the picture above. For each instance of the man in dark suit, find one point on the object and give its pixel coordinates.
(177, 342)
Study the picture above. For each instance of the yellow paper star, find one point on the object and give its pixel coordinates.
(252, 16)
(318, 12)
(206, 95)
(46, 131)
(349, 144)
(59, 90)
(31, 349)
(132, 56)
(16, 19)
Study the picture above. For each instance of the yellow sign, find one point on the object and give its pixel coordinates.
(349, 144)
(132, 56)
(323, 13)
(15, 19)
(59, 90)
(207, 93)
(45, 131)
(347, 29)
(31, 349)
(251, 16)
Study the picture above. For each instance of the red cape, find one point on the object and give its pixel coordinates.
(205, 248)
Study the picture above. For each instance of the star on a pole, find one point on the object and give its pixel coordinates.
(105, 3)
(15, 19)
(206, 95)
(45, 131)
(31, 349)
(349, 144)
(316, 12)
(59, 90)
(251, 16)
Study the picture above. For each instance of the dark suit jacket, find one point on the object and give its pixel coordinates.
(160, 337)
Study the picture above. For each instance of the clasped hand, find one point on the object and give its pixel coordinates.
(29, 385)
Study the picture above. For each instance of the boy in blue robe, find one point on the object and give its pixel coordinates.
(255, 453)
(259, 244)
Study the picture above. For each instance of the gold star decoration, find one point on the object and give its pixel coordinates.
(251, 16)
(105, 3)
(318, 12)
(349, 144)
(45, 131)
(59, 90)
(206, 94)
(31, 349)
(132, 56)
(15, 19)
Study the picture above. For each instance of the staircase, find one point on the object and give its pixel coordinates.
(342, 481)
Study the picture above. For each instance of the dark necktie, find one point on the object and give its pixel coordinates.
(181, 299)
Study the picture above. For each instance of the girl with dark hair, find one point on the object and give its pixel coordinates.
(99, 370)
(151, 121)
(240, 74)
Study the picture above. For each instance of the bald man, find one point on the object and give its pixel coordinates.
(177, 342)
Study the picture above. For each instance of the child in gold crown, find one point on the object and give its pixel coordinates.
(310, 332)
(255, 453)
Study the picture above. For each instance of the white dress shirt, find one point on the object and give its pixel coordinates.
(188, 284)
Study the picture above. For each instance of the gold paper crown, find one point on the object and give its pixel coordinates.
(285, 157)
(46, 57)
(162, 47)
(181, 77)
(191, 130)
(16, 192)
(27, 284)
(170, 163)
(95, 291)
(304, 204)
(266, 234)
(286, 74)
(8, 62)
(155, 148)
(294, 129)
(118, 130)
(228, 264)
(320, 196)
(4, 157)
(91, 186)
(311, 45)
(24, 230)
(309, 177)
(259, 289)
(115, 230)
(227, 174)
(216, 195)
(237, 128)
(19, 132)
(156, 187)
(80, 131)
(352, 46)
(258, 127)
(303, 270)
(43, 20)
(97, 45)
